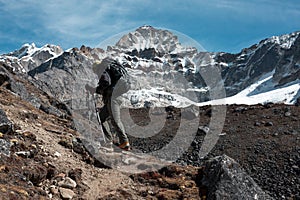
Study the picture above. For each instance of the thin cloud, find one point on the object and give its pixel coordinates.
(72, 23)
(85, 21)
(257, 8)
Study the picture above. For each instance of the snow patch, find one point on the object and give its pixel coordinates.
(155, 96)
(281, 95)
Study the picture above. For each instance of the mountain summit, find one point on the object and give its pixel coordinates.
(146, 38)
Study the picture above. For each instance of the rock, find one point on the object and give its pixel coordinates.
(268, 105)
(69, 69)
(54, 189)
(67, 183)
(66, 193)
(294, 132)
(4, 147)
(225, 179)
(57, 154)
(78, 146)
(222, 134)
(49, 109)
(287, 114)
(4, 168)
(5, 124)
(13, 141)
(60, 176)
(257, 124)
(240, 109)
(66, 142)
(24, 154)
(3, 78)
(147, 104)
(204, 129)
(20, 89)
(269, 124)
(75, 174)
(190, 112)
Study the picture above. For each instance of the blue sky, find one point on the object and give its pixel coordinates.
(218, 25)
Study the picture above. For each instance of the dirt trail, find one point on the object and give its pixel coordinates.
(55, 158)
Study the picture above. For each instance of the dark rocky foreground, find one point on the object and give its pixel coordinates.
(42, 157)
(263, 139)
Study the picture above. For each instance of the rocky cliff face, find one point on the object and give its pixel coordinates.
(65, 76)
(278, 56)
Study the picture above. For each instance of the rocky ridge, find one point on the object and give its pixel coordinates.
(156, 61)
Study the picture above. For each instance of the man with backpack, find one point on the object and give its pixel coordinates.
(113, 82)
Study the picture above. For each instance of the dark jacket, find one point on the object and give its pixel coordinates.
(104, 83)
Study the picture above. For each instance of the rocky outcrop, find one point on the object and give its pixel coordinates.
(225, 179)
(65, 77)
(3, 78)
(5, 123)
(96, 53)
(20, 89)
(6, 127)
(20, 86)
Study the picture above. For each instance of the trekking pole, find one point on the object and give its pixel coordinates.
(98, 117)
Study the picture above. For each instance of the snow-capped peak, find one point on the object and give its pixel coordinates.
(29, 47)
(30, 56)
(147, 37)
(285, 41)
(147, 27)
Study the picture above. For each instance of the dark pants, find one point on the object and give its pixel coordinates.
(111, 111)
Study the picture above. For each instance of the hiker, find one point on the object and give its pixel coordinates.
(113, 82)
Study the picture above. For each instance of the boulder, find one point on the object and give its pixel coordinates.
(67, 183)
(66, 193)
(190, 112)
(225, 179)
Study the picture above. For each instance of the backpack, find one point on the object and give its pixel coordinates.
(104, 82)
(119, 78)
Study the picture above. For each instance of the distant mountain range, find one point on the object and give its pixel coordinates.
(165, 72)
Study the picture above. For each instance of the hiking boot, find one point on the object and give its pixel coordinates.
(125, 146)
